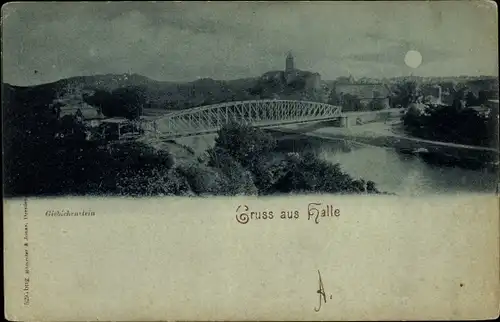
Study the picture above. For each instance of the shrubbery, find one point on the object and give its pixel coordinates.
(451, 124)
(241, 146)
(239, 179)
(376, 105)
(244, 161)
(153, 182)
(204, 180)
(352, 103)
(307, 173)
(246, 144)
(122, 102)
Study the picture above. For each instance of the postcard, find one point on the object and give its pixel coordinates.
(251, 160)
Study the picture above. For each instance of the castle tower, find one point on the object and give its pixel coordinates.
(289, 65)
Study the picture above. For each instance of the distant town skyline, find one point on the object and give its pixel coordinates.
(45, 42)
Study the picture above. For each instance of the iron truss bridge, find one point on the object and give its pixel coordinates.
(260, 113)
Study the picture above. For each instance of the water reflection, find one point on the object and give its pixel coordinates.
(395, 172)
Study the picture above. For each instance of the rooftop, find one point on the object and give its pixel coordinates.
(88, 112)
(115, 120)
(363, 90)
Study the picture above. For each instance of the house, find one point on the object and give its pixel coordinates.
(91, 117)
(119, 128)
(366, 93)
(83, 113)
(487, 109)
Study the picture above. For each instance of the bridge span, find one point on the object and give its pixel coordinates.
(209, 119)
(259, 113)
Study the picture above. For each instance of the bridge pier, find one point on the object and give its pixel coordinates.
(344, 121)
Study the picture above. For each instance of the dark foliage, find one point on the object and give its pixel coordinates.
(451, 124)
(404, 94)
(351, 103)
(334, 98)
(254, 150)
(308, 173)
(473, 100)
(122, 102)
(45, 155)
(246, 144)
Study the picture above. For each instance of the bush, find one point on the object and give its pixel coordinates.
(267, 171)
(205, 180)
(152, 182)
(311, 174)
(405, 93)
(451, 124)
(122, 102)
(351, 103)
(246, 157)
(239, 180)
(246, 144)
(376, 105)
(136, 156)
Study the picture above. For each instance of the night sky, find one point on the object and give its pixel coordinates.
(44, 42)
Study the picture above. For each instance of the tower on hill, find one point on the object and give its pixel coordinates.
(289, 65)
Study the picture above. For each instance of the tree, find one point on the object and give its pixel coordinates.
(471, 99)
(247, 157)
(203, 179)
(482, 97)
(152, 183)
(376, 105)
(370, 187)
(69, 126)
(458, 98)
(333, 98)
(131, 100)
(351, 103)
(122, 102)
(405, 94)
(102, 100)
(451, 124)
(413, 120)
(309, 173)
(245, 143)
(239, 180)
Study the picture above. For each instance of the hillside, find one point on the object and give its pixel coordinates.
(40, 161)
(161, 94)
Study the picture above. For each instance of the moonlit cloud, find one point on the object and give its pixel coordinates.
(222, 40)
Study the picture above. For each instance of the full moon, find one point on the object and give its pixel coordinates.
(413, 59)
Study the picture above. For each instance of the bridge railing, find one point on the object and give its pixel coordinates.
(264, 112)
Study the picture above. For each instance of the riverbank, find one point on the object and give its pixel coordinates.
(403, 174)
(252, 155)
(389, 135)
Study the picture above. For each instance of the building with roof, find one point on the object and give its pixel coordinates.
(312, 81)
(491, 106)
(100, 127)
(366, 93)
(292, 79)
(120, 128)
(91, 117)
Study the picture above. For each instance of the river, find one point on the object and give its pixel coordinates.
(392, 171)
